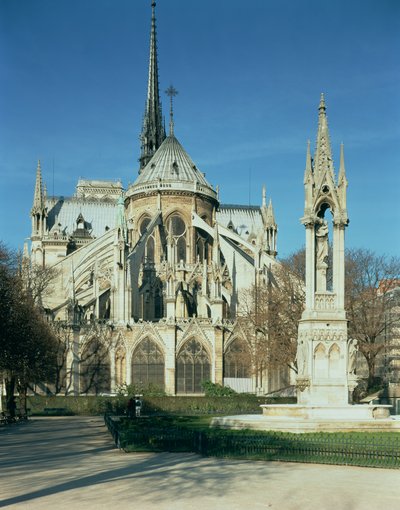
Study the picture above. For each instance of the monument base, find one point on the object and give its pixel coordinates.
(300, 419)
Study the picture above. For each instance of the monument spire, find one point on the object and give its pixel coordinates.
(323, 163)
(153, 133)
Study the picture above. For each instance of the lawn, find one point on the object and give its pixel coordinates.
(194, 434)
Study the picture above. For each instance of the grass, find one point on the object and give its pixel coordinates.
(194, 434)
(202, 423)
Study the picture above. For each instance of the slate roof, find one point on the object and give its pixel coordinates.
(171, 163)
(243, 219)
(98, 214)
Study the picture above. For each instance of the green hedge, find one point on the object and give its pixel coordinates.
(92, 405)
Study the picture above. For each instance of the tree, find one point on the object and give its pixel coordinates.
(269, 315)
(372, 304)
(63, 334)
(37, 280)
(27, 345)
(371, 301)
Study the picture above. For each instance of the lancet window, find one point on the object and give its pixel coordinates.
(149, 252)
(176, 230)
(202, 245)
(95, 375)
(237, 363)
(148, 364)
(193, 367)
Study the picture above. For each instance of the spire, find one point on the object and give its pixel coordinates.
(120, 219)
(153, 132)
(323, 163)
(342, 170)
(171, 93)
(308, 170)
(270, 220)
(342, 181)
(25, 253)
(215, 248)
(38, 199)
(264, 196)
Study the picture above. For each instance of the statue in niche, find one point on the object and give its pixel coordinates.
(351, 356)
(301, 357)
(322, 244)
(321, 254)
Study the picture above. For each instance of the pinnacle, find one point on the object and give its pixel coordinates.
(322, 102)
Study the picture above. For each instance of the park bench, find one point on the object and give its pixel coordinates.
(5, 419)
(55, 411)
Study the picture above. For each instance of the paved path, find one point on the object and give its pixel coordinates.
(60, 463)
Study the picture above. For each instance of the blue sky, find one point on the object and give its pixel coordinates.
(249, 76)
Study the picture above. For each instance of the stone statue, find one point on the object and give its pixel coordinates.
(351, 355)
(301, 357)
(322, 244)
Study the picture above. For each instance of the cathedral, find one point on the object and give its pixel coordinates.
(148, 279)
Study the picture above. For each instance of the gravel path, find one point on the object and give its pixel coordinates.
(71, 462)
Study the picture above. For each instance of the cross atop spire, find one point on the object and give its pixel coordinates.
(171, 93)
(153, 133)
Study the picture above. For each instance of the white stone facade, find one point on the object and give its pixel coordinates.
(153, 272)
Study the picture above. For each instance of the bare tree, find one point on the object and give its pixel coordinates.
(63, 334)
(372, 303)
(269, 315)
(38, 281)
(27, 345)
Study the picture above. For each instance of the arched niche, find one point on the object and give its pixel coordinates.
(320, 362)
(323, 247)
(334, 361)
(120, 365)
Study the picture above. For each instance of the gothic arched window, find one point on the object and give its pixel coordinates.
(149, 252)
(95, 374)
(148, 364)
(176, 229)
(237, 362)
(193, 367)
(202, 245)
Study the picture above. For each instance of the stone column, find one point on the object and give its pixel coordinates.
(128, 368)
(219, 355)
(112, 370)
(310, 266)
(169, 335)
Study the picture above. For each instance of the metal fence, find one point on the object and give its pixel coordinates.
(374, 450)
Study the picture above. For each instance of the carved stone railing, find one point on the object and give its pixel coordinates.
(325, 301)
(170, 185)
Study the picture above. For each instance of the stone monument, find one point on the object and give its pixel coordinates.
(325, 355)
